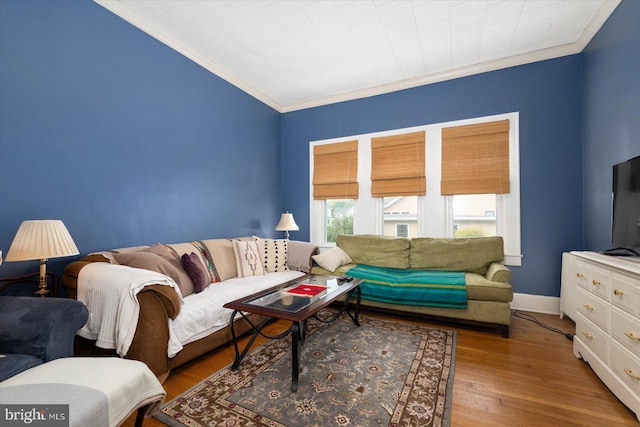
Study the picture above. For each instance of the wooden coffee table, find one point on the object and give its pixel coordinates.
(296, 301)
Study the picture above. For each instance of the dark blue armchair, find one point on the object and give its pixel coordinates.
(36, 330)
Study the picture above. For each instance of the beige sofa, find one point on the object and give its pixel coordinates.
(487, 279)
(178, 320)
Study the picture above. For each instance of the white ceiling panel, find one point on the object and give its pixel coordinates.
(294, 54)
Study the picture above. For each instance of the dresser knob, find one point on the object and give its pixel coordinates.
(632, 336)
(631, 374)
(588, 335)
(588, 307)
(580, 275)
(617, 292)
(595, 282)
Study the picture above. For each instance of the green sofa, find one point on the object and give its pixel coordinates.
(480, 259)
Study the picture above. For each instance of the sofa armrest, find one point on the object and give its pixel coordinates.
(42, 327)
(151, 341)
(71, 271)
(498, 272)
(158, 304)
(300, 253)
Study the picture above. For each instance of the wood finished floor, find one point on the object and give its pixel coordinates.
(529, 379)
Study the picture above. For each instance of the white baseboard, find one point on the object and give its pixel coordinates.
(536, 303)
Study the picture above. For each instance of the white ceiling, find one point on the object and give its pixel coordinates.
(299, 54)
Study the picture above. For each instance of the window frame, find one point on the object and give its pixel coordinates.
(435, 212)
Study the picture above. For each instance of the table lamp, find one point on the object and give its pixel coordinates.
(41, 240)
(286, 224)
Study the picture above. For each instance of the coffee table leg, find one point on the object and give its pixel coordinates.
(296, 346)
(257, 330)
(357, 310)
(236, 361)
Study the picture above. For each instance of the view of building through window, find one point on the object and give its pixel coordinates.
(474, 215)
(400, 216)
(339, 218)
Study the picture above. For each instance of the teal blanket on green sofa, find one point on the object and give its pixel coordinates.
(412, 287)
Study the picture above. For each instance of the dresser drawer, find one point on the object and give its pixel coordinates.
(593, 337)
(593, 308)
(600, 283)
(626, 330)
(626, 366)
(583, 273)
(624, 294)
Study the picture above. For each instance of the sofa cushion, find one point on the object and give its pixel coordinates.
(274, 254)
(473, 254)
(223, 257)
(478, 286)
(380, 251)
(158, 258)
(196, 271)
(412, 287)
(332, 259)
(248, 261)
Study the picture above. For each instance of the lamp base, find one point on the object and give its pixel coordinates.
(42, 286)
(43, 292)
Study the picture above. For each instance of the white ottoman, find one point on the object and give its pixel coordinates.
(100, 391)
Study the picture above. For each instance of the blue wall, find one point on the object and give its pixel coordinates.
(547, 95)
(124, 139)
(611, 114)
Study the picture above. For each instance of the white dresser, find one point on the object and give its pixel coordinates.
(602, 295)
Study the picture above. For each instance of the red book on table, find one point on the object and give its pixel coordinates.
(307, 290)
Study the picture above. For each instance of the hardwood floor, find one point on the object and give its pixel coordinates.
(529, 379)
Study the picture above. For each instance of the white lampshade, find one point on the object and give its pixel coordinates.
(287, 223)
(41, 239)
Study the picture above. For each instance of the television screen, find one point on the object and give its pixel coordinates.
(626, 206)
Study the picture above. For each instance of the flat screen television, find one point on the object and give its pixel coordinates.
(625, 230)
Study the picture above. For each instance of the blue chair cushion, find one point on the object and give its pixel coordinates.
(12, 364)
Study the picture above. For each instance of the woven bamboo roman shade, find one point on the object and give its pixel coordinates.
(475, 159)
(335, 171)
(397, 165)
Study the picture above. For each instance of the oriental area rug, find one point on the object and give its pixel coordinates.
(382, 373)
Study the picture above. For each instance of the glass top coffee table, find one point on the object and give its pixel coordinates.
(296, 301)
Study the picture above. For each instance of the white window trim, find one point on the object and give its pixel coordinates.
(435, 213)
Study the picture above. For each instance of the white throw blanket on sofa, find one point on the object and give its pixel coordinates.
(110, 293)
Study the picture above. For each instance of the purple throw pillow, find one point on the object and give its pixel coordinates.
(196, 271)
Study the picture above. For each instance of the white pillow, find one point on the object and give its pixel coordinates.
(332, 259)
(274, 253)
(248, 261)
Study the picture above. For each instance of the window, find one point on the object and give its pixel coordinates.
(402, 230)
(339, 218)
(400, 216)
(470, 217)
(435, 210)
